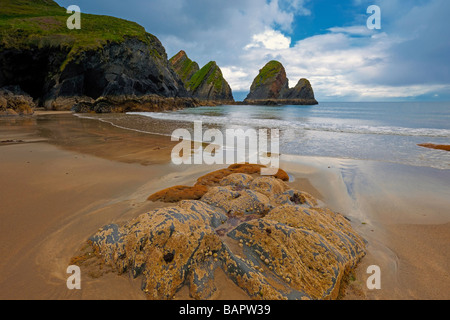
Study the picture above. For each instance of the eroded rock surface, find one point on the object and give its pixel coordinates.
(271, 241)
(14, 101)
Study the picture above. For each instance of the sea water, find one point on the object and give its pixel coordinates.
(388, 131)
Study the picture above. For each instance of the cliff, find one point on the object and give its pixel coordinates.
(183, 66)
(209, 84)
(109, 58)
(271, 87)
(206, 84)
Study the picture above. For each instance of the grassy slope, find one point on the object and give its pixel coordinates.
(210, 70)
(42, 23)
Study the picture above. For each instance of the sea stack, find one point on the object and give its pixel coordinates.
(183, 66)
(271, 87)
(209, 84)
(206, 84)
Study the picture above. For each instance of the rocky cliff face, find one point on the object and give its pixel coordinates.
(128, 69)
(206, 84)
(271, 86)
(209, 84)
(183, 66)
(60, 67)
(303, 91)
(270, 83)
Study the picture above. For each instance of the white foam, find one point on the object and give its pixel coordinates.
(316, 125)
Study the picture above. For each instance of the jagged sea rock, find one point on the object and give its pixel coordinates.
(302, 91)
(183, 66)
(268, 242)
(14, 101)
(271, 87)
(206, 84)
(270, 83)
(209, 84)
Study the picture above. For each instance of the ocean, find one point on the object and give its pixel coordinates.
(388, 132)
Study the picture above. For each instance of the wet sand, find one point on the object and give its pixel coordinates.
(64, 177)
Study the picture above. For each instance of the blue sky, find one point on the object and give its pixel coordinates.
(326, 41)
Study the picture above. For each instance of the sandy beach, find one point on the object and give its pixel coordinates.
(63, 177)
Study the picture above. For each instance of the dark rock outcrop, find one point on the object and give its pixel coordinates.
(183, 66)
(271, 87)
(270, 83)
(131, 68)
(209, 84)
(206, 84)
(130, 103)
(14, 101)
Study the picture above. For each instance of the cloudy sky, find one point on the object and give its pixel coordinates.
(326, 41)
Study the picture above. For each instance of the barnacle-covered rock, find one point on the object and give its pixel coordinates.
(237, 180)
(237, 202)
(272, 241)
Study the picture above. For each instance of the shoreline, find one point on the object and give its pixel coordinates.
(78, 176)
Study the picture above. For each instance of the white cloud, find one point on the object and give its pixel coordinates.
(236, 77)
(408, 57)
(340, 64)
(269, 39)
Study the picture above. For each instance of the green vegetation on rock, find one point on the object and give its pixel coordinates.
(199, 77)
(269, 71)
(183, 66)
(206, 84)
(60, 67)
(271, 87)
(26, 24)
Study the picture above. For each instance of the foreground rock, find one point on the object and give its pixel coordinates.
(272, 241)
(14, 101)
(271, 87)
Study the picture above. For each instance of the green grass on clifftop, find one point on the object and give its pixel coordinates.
(43, 23)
